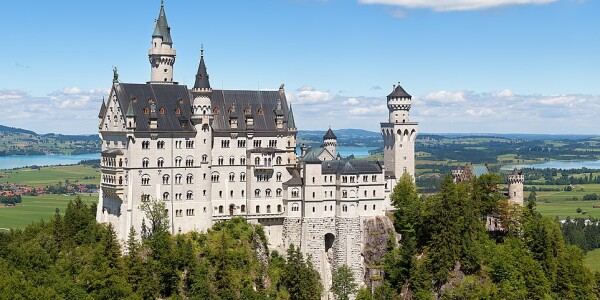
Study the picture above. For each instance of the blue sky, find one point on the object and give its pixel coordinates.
(505, 66)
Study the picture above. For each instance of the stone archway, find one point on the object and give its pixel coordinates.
(329, 239)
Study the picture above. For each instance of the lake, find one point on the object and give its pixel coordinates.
(558, 164)
(11, 162)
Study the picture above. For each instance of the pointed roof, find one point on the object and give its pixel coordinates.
(291, 123)
(329, 135)
(102, 110)
(161, 28)
(516, 172)
(399, 92)
(130, 112)
(202, 76)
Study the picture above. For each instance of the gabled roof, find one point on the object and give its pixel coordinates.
(329, 135)
(162, 29)
(260, 105)
(296, 179)
(168, 100)
(478, 171)
(350, 167)
(202, 76)
(399, 92)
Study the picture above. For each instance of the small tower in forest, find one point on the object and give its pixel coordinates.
(515, 187)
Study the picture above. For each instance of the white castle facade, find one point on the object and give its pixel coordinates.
(212, 155)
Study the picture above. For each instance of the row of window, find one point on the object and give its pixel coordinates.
(232, 208)
(215, 176)
(189, 162)
(188, 212)
(161, 144)
(189, 179)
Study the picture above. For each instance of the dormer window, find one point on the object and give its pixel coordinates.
(246, 111)
(180, 101)
(216, 111)
(150, 100)
(261, 112)
(146, 111)
(161, 111)
(178, 111)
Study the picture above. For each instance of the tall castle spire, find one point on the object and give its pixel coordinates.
(202, 82)
(162, 53)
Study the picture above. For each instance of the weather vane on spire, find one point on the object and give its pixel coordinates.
(201, 49)
(162, 3)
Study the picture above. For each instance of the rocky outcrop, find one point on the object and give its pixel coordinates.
(376, 235)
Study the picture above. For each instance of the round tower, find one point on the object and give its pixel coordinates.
(330, 142)
(515, 187)
(202, 118)
(161, 53)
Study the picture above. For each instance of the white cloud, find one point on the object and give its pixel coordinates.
(308, 95)
(503, 94)
(484, 112)
(369, 110)
(69, 111)
(445, 96)
(454, 5)
(351, 101)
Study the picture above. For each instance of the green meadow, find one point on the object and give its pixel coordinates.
(592, 260)
(35, 208)
(561, 204)
(51, 175)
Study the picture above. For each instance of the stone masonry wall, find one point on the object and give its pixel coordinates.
(292, 232)
(348, 246)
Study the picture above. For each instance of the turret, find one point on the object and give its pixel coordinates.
(162, 53)
(398, 103)
(279, 115)
(516, 180)
(201, 92)
(330, 142)
(130, 118)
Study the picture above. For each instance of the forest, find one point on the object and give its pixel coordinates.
(440, 249)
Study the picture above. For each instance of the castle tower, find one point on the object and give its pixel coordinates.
(515, 187)
(202, 118)
(162, 53)
(399, 135)
(330, 142)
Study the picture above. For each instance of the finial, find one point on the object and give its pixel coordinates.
(115, 75)
(201, 50)
(162, 3)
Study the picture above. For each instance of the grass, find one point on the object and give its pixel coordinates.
(554, 204)
(35, 208)
(592, 260)
(51, 175)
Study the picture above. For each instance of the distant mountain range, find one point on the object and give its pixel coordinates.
(17, 141)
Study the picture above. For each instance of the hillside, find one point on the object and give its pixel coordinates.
(17, 141)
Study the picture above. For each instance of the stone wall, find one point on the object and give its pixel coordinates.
(292, 232)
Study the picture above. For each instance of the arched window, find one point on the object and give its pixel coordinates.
(243, 208)
(242, 160)
(231, 177)
(295, 193)
(178, 179)
(257, 161)
(268, 209)
(278, 176)
(165, 196)
(178, 160)
(344, 194)
(189, 179)
(204, 158)
(145, 162)
(295, 207)
(220, 209)
(160, 162)
(220, 160)
(268, 193)
(145, 179)
(189, 195)
(242, 177)
(258, 209)
(189, 161)
(231, 160)
(278, 192)
(165, 179)
(278, 160)
(344, 208)
(214, 177)
(257, 193)
(278, 208)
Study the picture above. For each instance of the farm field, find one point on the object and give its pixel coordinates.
(35, 208)
(592, 260)
(555, 204)
(51, 175)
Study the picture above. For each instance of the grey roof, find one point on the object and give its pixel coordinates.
(312, 155)
(202, 76)
(480, 170)
(399, 92)
(296, 179)
(516, 172)
(166, 97)
(130, 112)
(350, 167)
(161, 28)
(253, 102)
(291, 124)
(102, 110)
(329, 135)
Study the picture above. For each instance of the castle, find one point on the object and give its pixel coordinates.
(212, 155)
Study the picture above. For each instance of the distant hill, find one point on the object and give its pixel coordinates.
(17, 141)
